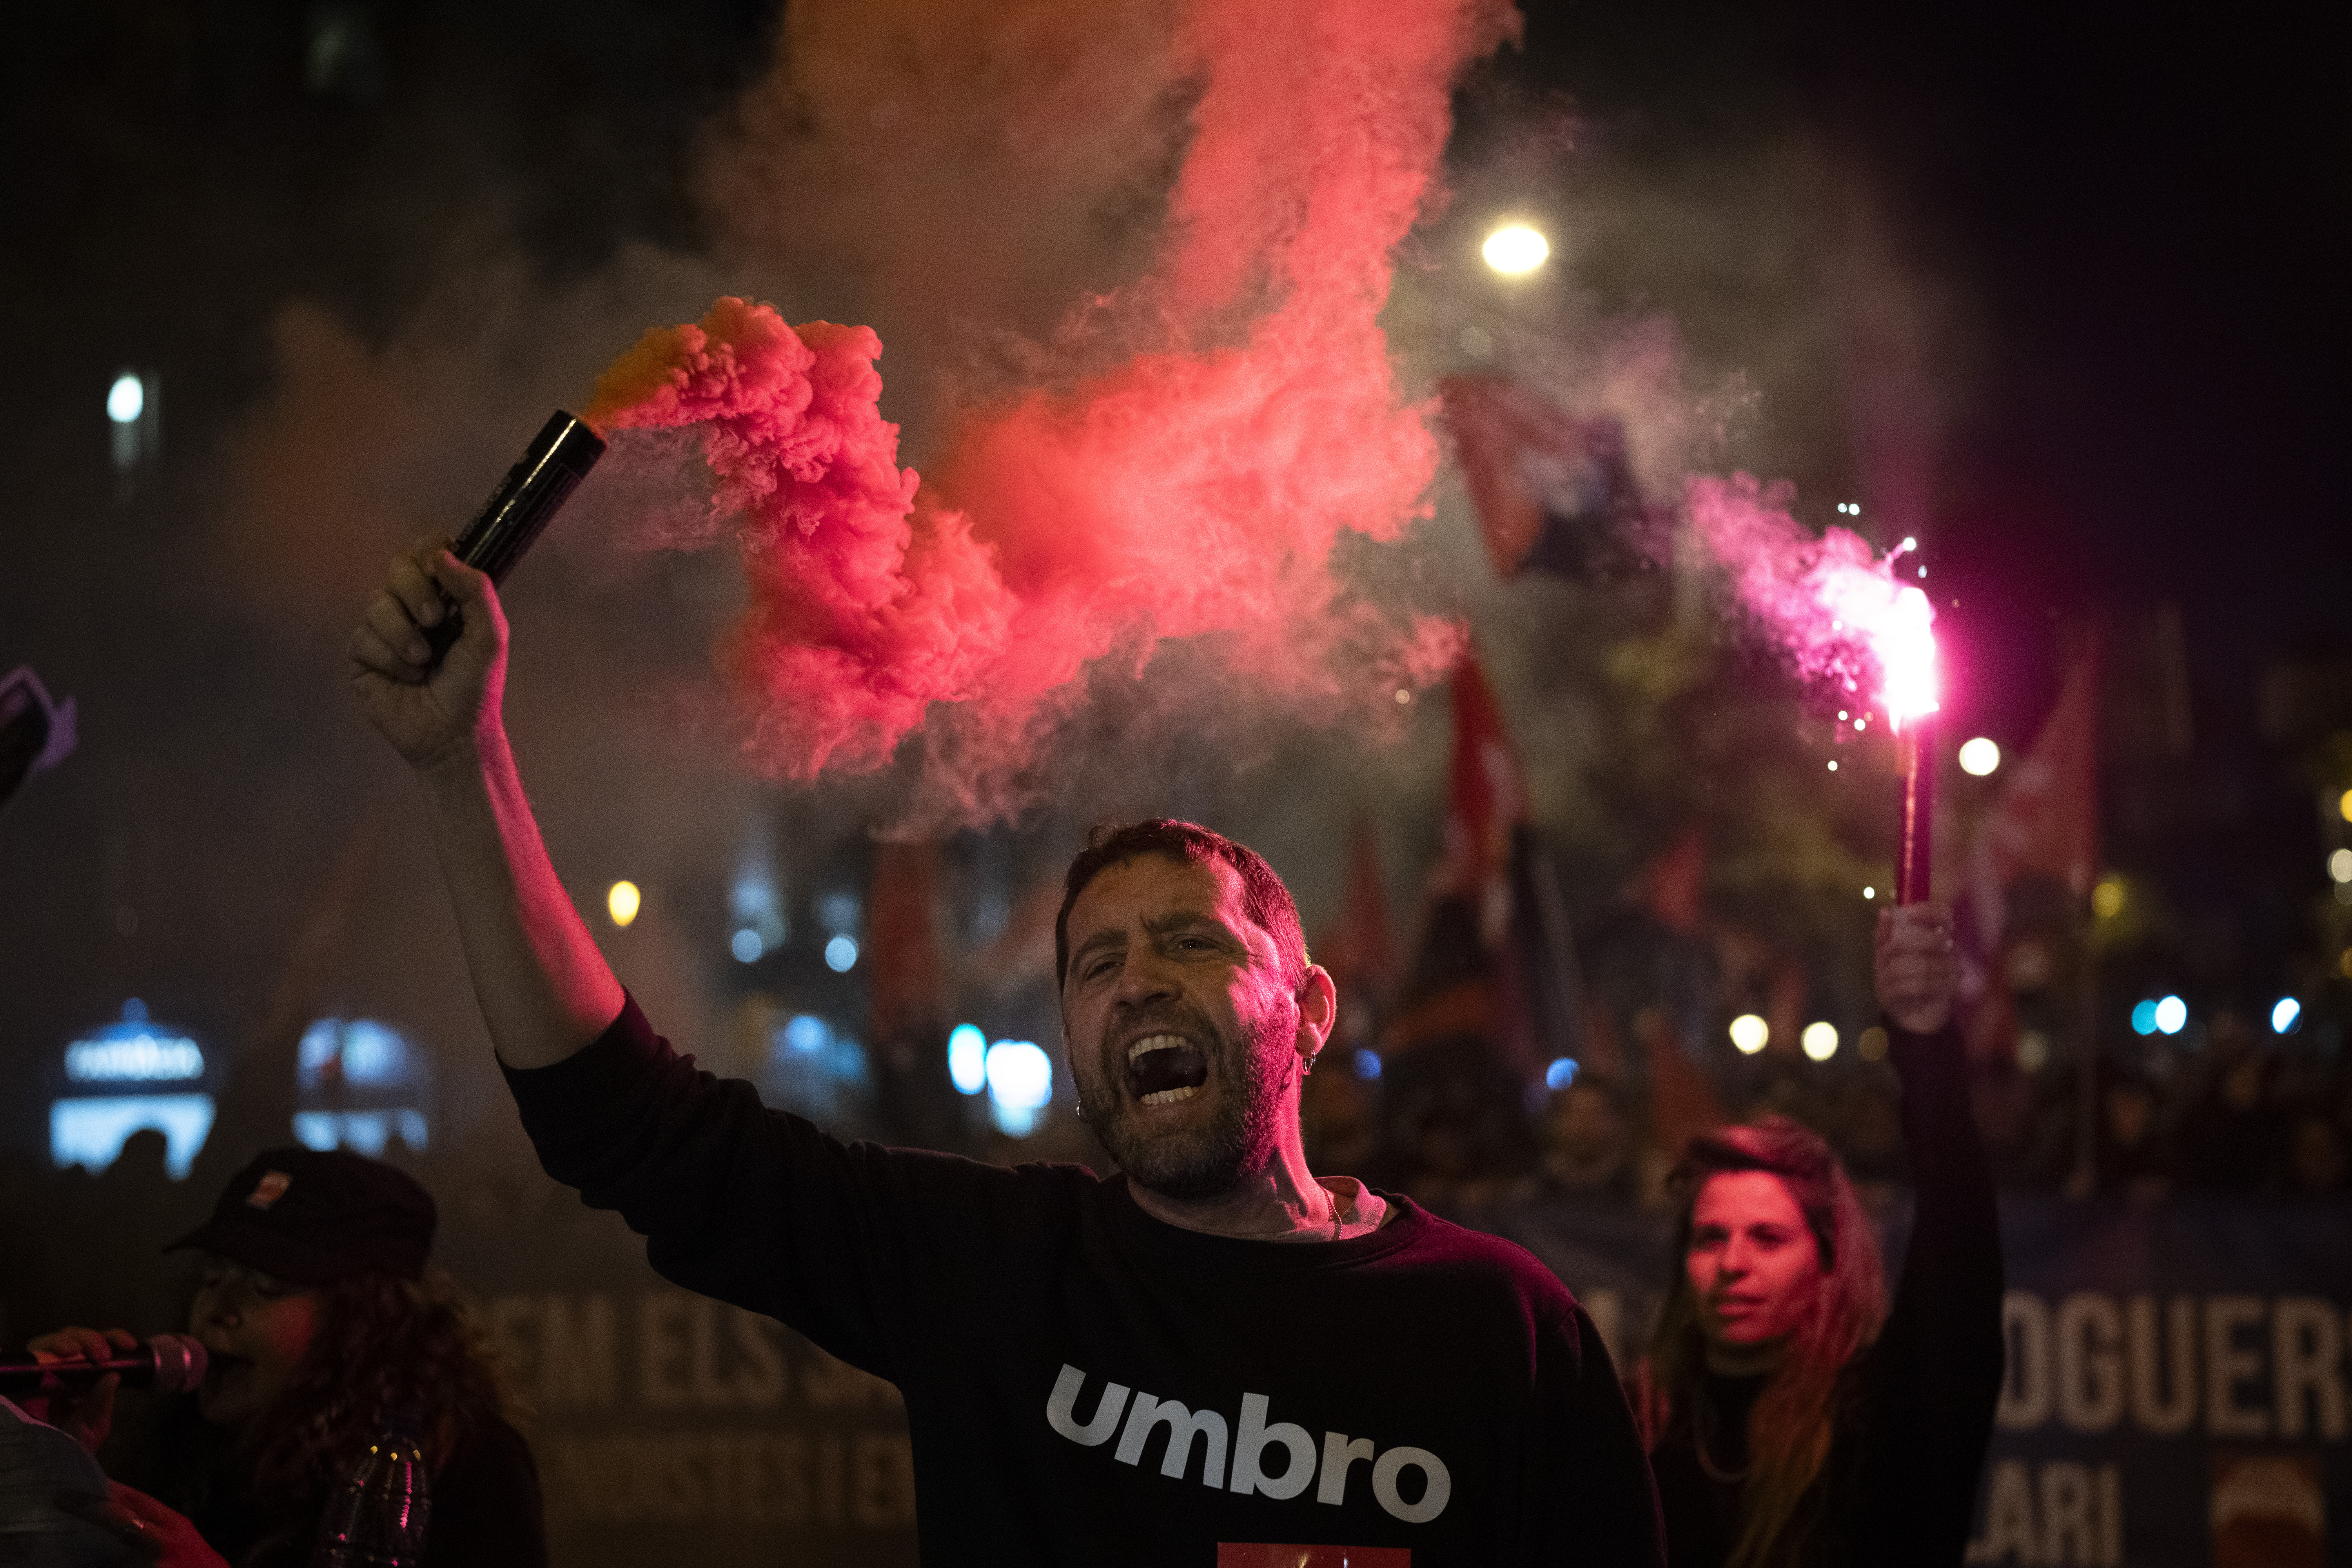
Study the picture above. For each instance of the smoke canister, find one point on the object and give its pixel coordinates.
(526, 500)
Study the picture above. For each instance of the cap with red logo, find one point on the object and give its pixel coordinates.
(313, 1216)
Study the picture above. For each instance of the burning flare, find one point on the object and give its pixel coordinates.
(1829, 600)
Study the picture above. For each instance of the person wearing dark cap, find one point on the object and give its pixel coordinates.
(320, 1316)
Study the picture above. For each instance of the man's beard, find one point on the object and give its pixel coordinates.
(1191, 1167)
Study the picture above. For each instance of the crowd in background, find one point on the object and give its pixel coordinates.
(2240, 1114)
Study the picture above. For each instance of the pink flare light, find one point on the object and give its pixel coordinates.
(1828, 600)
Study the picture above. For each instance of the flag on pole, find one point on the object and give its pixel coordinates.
(1553, 491)
(1513, 976)
(1358, 948)
(2045, 823)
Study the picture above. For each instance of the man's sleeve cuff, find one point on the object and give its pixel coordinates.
(611, 1067)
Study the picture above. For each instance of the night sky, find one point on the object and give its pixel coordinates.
(2150, 210)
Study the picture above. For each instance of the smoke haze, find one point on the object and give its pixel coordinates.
(1196, 487)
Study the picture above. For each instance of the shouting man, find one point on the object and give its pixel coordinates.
(1210, 1355)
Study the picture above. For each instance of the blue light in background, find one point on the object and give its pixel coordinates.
(840, 953)
(1019, 1084)
(361, 1052)
(1561, 1073)
(2144, 1017)
(2285, 1015)
(131, 1050)
(807, 1034)
(91, 1133)
(2171, 1015)
(968, 1058)
(1368, 1064)
(365, 1130)
(746, 946)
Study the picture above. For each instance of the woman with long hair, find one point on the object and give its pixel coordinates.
(1792, 1419)
(320, 1322)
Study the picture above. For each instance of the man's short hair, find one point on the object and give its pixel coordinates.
(1266, 902)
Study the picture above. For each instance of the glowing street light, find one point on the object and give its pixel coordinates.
(126, 399)
(1750, 1034)
(2171, 1015)
(621, 902)
(1978, 757)
(1515, 248)
(1819, 1041)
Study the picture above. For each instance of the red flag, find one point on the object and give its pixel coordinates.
(906, 997)
(1498, 426)
(2047, 820)
(1551, 490)
(1672, 888)
(1487, 797)
(2046, 824)
(1358, 948)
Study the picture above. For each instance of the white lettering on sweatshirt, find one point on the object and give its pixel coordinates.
(1257, 1443)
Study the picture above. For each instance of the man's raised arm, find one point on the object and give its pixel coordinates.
(544, 989)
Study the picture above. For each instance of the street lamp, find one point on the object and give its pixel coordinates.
(1515, 248)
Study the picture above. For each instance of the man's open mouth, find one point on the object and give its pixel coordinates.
(1164, 1069)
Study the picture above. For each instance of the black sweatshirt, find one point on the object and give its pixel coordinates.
(1915, 1407)
(1422, 1386)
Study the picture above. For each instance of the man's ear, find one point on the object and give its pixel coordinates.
(1318, 1009)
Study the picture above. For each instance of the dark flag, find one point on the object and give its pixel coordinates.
(1553, 490)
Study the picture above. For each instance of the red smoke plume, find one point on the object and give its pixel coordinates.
(1195, 489)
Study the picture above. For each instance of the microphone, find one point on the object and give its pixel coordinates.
(169, 1363)
(526, 500)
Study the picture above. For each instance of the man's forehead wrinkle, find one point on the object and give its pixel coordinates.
(1176, 920)
(1104, 936)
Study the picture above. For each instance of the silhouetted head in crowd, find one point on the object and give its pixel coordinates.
(1586, 1139)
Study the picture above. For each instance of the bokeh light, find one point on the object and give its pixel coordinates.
(841, 955)
(126, 399)
(1560, 1073)
(1978, 757)
(1020, 1075)
(968, 1058)
(2171, 1015)
(1515, 248)
(2144, 1017)
(621, 902)
(2285, 1014)
(2107, 900)
(1819, 1041)
(1750, 1034)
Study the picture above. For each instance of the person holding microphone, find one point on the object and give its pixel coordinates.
(319, 1317)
